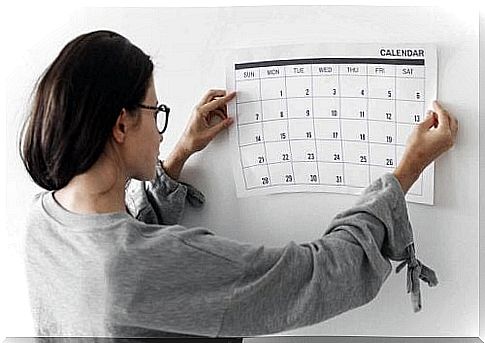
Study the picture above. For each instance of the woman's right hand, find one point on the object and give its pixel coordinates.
(435, 135)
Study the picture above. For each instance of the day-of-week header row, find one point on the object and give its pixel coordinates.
(340, 69)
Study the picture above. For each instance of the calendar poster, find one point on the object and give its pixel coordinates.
(327, 117)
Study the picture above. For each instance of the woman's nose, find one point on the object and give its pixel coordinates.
(161, 138)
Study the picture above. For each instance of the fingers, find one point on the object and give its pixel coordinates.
(437, 106)
(443, 116)
(216, 113)
(216, 129)
(428, 122)
(210, 95)
(447, 123)
(454, 126)
(221, 113)
(448, 118)
(218, 103)
(453, 122)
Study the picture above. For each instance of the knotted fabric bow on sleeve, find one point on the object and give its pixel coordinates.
(416, 271)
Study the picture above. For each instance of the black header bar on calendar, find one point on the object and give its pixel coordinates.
(332, 60)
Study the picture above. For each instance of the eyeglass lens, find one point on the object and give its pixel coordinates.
(161, 121)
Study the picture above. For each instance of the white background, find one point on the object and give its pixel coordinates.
(188, 47)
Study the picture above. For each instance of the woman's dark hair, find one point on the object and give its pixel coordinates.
(76, 103)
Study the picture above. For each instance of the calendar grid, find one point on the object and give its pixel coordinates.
(309, 161)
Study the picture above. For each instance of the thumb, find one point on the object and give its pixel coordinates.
(428, 122)
(214, 131)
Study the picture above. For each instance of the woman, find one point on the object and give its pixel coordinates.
(106, 259)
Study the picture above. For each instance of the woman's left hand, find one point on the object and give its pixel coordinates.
(201, 128)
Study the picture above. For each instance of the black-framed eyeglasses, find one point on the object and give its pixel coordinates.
(161, 120)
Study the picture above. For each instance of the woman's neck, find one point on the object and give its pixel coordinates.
(101, 189)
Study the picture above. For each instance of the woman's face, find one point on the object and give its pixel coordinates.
(145, 140)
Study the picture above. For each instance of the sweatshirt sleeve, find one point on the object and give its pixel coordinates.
(303, 284)
(161, 201)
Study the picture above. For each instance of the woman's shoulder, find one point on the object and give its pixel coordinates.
(36, 206)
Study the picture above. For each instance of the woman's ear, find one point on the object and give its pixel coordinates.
(121, 126)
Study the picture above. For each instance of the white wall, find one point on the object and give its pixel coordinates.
(188, 47)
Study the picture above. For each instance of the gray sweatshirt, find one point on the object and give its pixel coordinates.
(138, 273)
